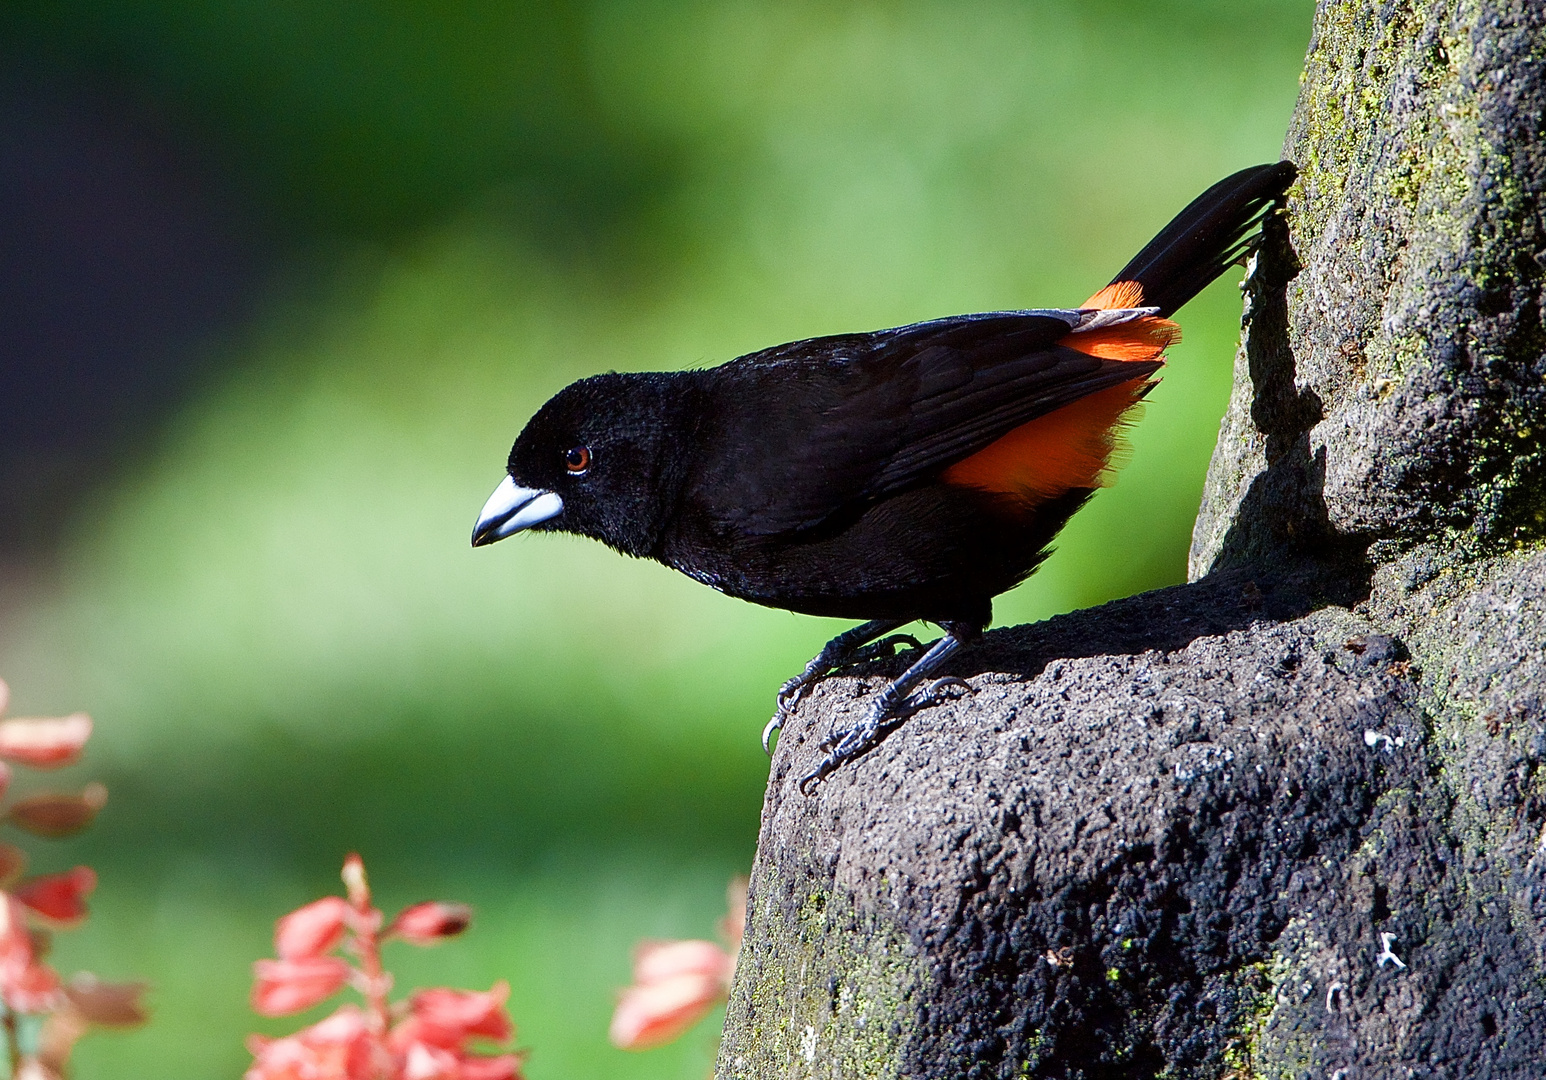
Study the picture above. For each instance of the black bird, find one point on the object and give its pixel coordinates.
(904, 474)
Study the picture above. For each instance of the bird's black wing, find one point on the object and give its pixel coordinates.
(809, 428)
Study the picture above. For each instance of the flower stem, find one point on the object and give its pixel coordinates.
(367, 946)
(12, 1044)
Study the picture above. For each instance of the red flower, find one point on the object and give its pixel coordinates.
(60, 897)
(311, 930)
(655, 1013)
(282, 987)
(428, 1040)
(657, 961)
(677, 982)
(338, 1048)
(26, 985)
(448, 1018)
(432, 1063)
(44, 743)
(430, 923)
(498, 1067)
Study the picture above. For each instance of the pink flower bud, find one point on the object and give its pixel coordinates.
(44, 743)
(34, 989)
(355, 881)
(60, 897)
(656, 961)
(431, 922)
(282, 987)
(311, 930)
(653, 1014)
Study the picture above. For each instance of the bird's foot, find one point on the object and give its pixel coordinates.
(846, 648)
(885, 714)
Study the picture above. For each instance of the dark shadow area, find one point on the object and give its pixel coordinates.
(1164, 620)
(367, 121)
(120, 258)
(168, 174)
(1283, 521)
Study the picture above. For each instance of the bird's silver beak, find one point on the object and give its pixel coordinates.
(512, 508)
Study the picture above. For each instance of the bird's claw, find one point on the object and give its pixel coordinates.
(768, 729)
(841, 746)
(789, 696)
(929, 694)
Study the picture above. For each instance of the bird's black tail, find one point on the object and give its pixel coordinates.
(1217, 228)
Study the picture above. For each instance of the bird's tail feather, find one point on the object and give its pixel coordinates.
(1199, 244)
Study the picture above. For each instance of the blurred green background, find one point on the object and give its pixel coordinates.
(260, 585)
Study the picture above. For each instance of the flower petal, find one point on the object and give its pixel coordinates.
(34, 989)
(44, 742)
(56, 815)
(500, 1067)
(33, 1069)
(345, 1025)
(655, 961)
(311, 930)
(448, 1018)
(424, 1062)
(733, 925)
(338, 1048)
(60, 897)
(655, 1014)
(282, 987)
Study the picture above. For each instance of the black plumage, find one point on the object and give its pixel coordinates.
(911, 473)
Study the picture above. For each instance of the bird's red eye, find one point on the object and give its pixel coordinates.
(577, 461)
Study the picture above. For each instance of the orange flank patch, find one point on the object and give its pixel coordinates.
(1069, 448)
(1144, 338)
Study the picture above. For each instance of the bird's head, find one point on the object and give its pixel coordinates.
(596, 460)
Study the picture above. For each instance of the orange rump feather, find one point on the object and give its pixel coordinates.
(1119, 294)
(1068, 448)
(1144, 338)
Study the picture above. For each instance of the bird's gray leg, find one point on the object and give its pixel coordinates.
(892, 703)
(840, 650)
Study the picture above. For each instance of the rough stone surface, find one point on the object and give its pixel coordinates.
(1406, 363)
(1288, 820)
(1167, 836)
